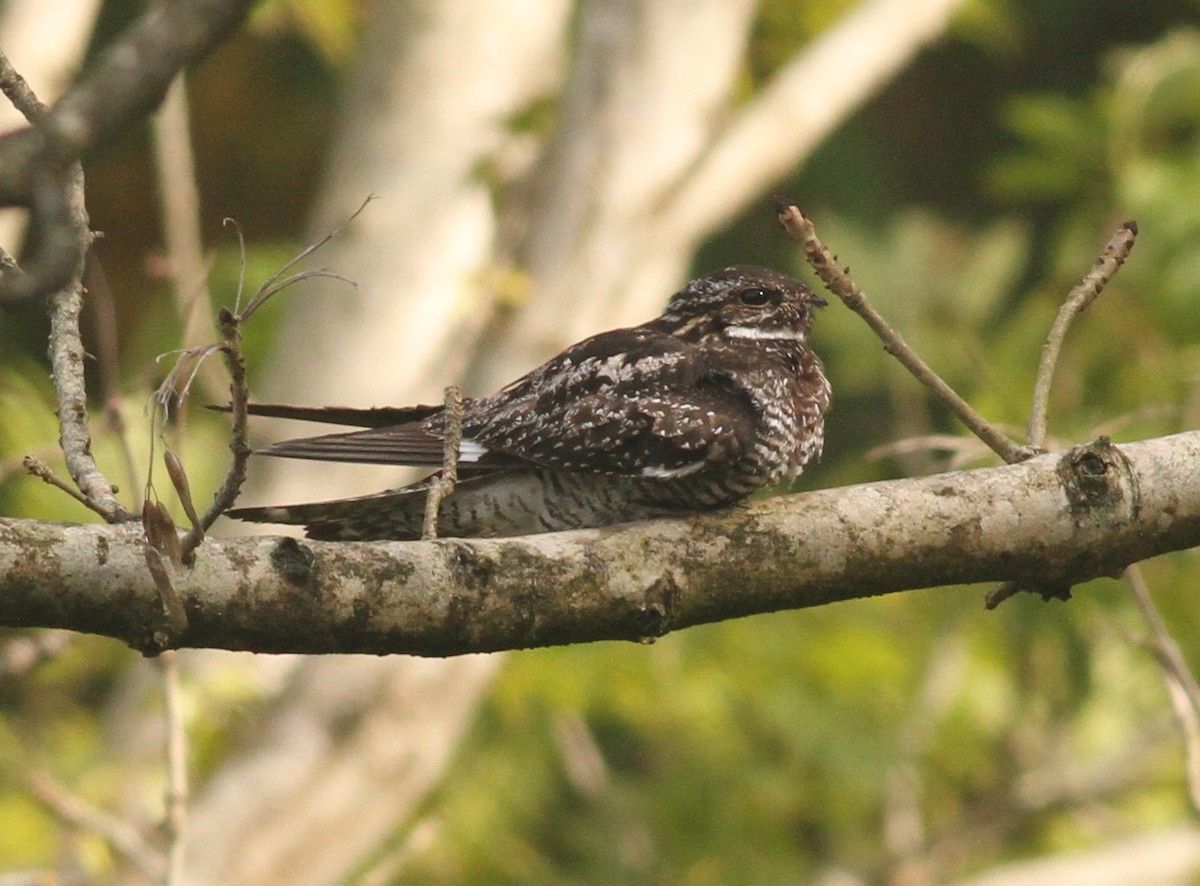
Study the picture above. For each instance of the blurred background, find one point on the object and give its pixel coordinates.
(544, 170)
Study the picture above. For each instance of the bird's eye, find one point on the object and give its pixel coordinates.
(756, 297)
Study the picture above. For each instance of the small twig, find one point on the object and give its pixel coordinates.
(443, 484)
(1181, 682)
(77, 812)
(1189, 725)
(239, 395)
(1077, 301)
(41, 470)
(179, 380)
(280, 281)
(960, 450)
(176, 386)
(67, 235)
(175, 818)
(1080, 298)
(1000, 593)
(800, 229)
(67, 357)
(18, 91)
(179, 202)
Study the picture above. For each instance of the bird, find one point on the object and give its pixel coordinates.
(716, 398)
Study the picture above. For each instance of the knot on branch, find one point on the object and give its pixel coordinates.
(654, 617)
(295, 562)
(1100, 484)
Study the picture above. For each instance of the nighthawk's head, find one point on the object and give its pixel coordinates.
(743, 303)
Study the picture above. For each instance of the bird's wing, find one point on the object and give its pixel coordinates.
(632, 402)
(398, 436)
(418, 444)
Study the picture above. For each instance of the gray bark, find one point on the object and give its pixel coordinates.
(1048, 523)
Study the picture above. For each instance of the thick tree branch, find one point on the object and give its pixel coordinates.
(806, 100)
(1051, 521)
(126, 83)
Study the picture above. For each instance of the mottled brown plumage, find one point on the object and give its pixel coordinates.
(718, 397)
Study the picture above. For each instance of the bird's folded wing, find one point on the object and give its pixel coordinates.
(416, 444)
(659, 422)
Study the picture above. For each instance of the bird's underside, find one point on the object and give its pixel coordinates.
(716, 398)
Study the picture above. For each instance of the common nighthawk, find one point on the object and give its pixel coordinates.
(718, 397)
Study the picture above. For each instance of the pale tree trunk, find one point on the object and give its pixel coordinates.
(649, 155)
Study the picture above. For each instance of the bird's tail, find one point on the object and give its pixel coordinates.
(395, 514)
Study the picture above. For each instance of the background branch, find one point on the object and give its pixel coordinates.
(129, 80)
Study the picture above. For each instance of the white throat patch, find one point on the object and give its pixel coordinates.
(753, 332)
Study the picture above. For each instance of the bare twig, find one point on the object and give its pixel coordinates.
(1080, 298)
(960, 450)
(41, 470)
(179, 380)
(77, 812)
(239, 395)
(177, 780)
(800, 228)
(280, 281)
(1161, 639)
(62, 185)
(1000, 593)
(66, 359)
(1077, 301)
(179, 202)
(1181, 682)
(18, 91)
(443, 484)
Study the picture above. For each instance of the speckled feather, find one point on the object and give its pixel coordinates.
(714, 399)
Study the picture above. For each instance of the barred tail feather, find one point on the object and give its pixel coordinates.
(396, 514)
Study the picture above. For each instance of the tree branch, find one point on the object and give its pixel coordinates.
(802, 104)
(1052, 520)
(127, 82)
